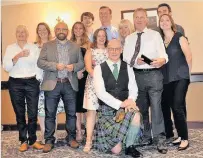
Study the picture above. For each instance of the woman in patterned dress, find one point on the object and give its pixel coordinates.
(43, 36)
(94, 56)
(79, 36)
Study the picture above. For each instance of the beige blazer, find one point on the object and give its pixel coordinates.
(49, 58)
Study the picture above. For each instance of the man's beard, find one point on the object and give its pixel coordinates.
(61, 36)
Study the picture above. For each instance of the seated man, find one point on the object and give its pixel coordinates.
(114, 83)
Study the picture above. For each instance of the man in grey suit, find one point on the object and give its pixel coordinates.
(61, 60)
(164, 8)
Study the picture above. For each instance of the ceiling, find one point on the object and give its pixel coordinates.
(16, 2)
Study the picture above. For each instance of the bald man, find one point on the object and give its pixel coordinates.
(115, 86)
(61, 60)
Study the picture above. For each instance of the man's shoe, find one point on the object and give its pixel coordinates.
(146, 141)
(47, 148)
(37, 146)
(162, 148)
(23, 147)
(73, 144)
(132, 151)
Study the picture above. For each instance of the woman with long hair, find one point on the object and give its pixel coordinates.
(176, 81)
(94, 56)
(79, 36)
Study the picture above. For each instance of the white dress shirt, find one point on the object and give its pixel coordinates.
(152, 46)
(25, 66)
(101, 92)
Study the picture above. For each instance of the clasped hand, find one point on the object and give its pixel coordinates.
(61, 67)
(129, 105)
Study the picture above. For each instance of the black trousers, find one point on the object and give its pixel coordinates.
(21, 90)
(68, 95)
(150, 87)
(173, 98)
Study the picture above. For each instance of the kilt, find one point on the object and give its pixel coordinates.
(108, 132)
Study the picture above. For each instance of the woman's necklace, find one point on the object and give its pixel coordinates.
(167, 40)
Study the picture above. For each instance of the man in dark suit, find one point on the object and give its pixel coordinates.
(166, 9)
(61, 60)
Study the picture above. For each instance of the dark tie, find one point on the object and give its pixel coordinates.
(137, 49)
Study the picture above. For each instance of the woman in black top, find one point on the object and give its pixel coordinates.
(176, 81)
(79, 36)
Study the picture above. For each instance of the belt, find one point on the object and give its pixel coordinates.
(62, 80)
(146, 70)
(32, 77)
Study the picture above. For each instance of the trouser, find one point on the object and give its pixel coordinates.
(173, 98)
(21, 89)
(150, 87)
(68, 95)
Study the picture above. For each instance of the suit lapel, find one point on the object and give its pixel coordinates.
(54, 50)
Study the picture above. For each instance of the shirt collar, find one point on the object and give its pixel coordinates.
(23, 46)
(107, 27)
(110, 62)
(58, 42)
(145, 30)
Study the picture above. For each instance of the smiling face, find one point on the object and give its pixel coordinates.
(124, 30)
(78, 30)
(105, 16)
(87, 21)
(163, 10)
(61, 31)
(21, 34)
(101, 37)
(43, 32)
(114, 50)
(165, 22)
(140, 20)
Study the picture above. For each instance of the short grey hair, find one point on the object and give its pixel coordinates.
(22, 27)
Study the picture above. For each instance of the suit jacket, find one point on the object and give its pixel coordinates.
(48, 60)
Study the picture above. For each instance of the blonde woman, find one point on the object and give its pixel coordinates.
(79, 36)
(125, 28)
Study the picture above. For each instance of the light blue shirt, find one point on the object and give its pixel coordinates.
(90, 36)
(112, 32)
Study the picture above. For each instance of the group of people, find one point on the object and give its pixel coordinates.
(114, 74)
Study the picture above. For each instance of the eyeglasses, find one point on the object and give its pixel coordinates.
(114, 49)
(61, 29)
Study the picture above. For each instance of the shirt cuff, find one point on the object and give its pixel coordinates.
(118, 104)
(131, 97)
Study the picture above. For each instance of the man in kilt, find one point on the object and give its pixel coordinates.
(118, 123)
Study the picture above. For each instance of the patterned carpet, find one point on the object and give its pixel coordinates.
(10, 144)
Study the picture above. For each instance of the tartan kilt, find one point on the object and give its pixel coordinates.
(108, 132)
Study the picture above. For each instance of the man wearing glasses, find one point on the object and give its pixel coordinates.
(118, 115)
(61, 60)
